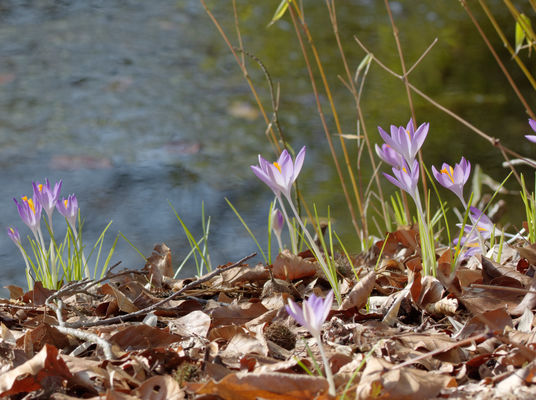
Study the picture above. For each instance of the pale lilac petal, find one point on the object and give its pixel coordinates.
(532, 138)
(300, 158)
(532, 124)
(265, 178)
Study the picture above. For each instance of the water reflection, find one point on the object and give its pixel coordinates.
(134, 104)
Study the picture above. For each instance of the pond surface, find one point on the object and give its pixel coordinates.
(137, 106)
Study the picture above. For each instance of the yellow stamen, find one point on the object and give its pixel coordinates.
(449, 173)
(40, 187)
(66, 201)
(409, 134)
(29, 202)
(12, 230)
(277, 166)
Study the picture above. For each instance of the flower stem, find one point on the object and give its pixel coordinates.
(327, 368)
(291, 230)
(427, 247)
(330, 275)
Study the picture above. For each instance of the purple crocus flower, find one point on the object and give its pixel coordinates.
(480, 230)
(313, 312)
(454, 178)
(30, 213)
(390, 156)
(280, 175)
(406, 180)
(14, 235)
(69, 209)
(46, 196)
(406, 141)
(532, 124)
(484, 226)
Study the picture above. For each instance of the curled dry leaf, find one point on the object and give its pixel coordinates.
(123, 302)
(38, 295)
(160, 388)
(143, 336)
(491, 271)
(379, 380)
(275, 386)
(528, 302)
(159, 264)
(358, 296)
(290, 266)
(45, 367)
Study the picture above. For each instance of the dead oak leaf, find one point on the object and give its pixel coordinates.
(160, 387)
(274, 386)
(380, 380)
(143, 336)
(359, 295)
(45, 366)
(290, 266)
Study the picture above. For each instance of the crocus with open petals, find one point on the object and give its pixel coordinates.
(454, 178)
(280, 175)
(406, 141)
(69, 209)
(313, 312)
(47, 196)
(30, 213)
(405, 178)
(532, 124)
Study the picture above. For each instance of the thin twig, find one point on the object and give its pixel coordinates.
(123, 318)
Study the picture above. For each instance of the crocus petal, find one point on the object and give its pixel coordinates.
(532, 124)
(532, 138)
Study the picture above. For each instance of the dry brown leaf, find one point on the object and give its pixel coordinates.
(123, 302)
(15, 292)
(196, 323)
(237, 314)
(360, 293)
(380, 381)
(273, 386)
(160, 388)
(38, 295)
(496, 320)
(143, 337)
(43, 334)
(528, 302)
(491, 271)
(290, 266)
(44, 368)
(159, 264)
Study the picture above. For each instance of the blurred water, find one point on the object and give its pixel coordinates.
(136, 104)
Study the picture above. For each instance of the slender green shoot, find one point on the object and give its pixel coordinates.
(193, 244)
(134, 247)
(247, 229)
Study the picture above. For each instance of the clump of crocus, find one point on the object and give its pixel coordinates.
(400, 151)
(30, 210)
(280, 177)
(532, 124)
(311, 315)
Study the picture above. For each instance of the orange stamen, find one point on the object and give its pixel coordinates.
(449, 173)
(277, 166)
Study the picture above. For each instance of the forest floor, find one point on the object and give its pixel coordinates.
(397, 334)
